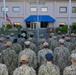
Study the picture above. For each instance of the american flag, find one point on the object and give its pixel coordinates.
(7, 19)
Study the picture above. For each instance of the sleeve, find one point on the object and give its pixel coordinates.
(41, 72)
(32, 72)
(15, 72)
(35, 60)
(5, 71)
(65, 72)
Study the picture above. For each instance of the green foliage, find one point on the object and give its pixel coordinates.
(8, 26)
(73, 28)
(63, 29)
(18, 26)
(58, 29)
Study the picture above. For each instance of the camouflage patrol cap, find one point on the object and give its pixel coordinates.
(41, 35)
(54, 37)
(7, 36)
(61, 41)
(45, 44)
(12, 34)
(59, 31)
(27, 42)
(8, 43)
(31, 33)
(23, 34)
(72, 34)
(73, 56)
(1, 39)
(29, 39)
(49, 56)
(43, 40)
(24, 57)
(51, 34)
(67, 38)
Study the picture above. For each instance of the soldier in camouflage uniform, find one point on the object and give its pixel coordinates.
(3, 69)
(54, 43)
(31, 55)
(61, 56)
(24, 69)
(2, 44)
(39, 42)
(73, 38)
(71, 70)
(12, 37)
(74, 51)
(16, 47)
(69, 44)
(32, 45)
(42, 53)
(40, 47)
(59, 35)
(7, 39)
(49, 68)
(9, 58)
(50, 39)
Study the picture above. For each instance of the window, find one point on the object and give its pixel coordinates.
(74, 9)
(16, 9)
(33, 9)
(61, 24)
(44, 24)
(16, 23)
(28, 24)
(2, 8)
(63, 9)
(44, 9)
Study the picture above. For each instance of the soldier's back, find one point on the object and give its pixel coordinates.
(3, 69)
(49, 69)
(70, 70)
(24, 70)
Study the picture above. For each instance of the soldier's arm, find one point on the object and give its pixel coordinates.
(15, 72)
(35, 61)
(65, 72)
(32, 72)
(41, 72)
(5, 71)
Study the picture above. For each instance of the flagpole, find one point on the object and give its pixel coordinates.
(69, 15)
(4, 11)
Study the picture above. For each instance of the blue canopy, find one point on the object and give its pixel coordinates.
(42, 18)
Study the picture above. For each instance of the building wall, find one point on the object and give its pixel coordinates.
(53, 11)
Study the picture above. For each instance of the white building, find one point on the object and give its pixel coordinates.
(19, 12)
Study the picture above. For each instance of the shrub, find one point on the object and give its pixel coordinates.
(73, 28)
(18, 26)
(63, 29)
(8, 26)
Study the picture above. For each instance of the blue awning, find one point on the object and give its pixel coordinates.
(42, 18)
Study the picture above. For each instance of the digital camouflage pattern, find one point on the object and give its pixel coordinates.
(33, 47)
(31, 57)
(16, 47)
(3, 69)
(2, 46)
(70, 70)
(69, 45)
(49, 69)
(53, 45)
(41, 55)
(24, 70)
(9, 58)
(61, 57)
(74, 51)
